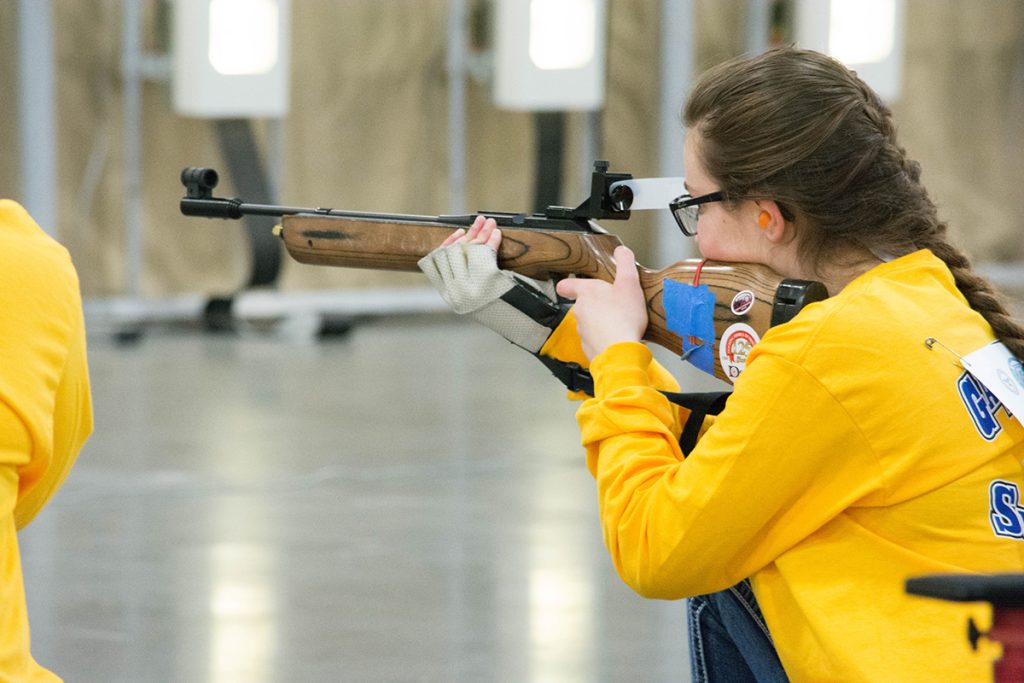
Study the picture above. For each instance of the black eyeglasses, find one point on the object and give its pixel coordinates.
(686, 210)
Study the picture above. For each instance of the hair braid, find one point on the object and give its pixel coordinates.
(980, 295)
(881, 116)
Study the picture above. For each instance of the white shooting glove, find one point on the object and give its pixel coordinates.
(521, 310)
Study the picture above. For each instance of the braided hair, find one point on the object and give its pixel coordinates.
(801, 128)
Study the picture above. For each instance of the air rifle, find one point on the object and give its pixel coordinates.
(560, 242)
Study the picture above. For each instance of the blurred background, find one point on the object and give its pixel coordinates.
(366, 123)
(303, 473)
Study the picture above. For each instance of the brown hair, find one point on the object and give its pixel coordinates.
(799, 127)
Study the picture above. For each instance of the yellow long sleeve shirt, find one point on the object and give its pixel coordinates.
(45, 406)
(848, 459)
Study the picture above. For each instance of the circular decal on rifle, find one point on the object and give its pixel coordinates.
(737, 340)
(742, 302)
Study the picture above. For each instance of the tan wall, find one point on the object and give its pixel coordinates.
(368, 128)
(962, 117)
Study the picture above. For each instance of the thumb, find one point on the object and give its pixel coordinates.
(625, 266)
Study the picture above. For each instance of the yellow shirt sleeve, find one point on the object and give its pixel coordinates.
(677, 528)
(44, 378)
(72, 425)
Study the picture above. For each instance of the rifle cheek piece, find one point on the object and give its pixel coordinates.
(792, 296)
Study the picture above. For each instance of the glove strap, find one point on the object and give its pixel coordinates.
(533, 303)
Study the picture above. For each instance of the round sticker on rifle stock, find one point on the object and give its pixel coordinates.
(737, 340)
(742, 302)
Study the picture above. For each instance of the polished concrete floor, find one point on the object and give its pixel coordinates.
(407, 502)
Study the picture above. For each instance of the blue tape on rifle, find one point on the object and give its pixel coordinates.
(690, 313)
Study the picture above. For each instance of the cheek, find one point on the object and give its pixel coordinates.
(719, 241)
(709, 249)
(709, 244)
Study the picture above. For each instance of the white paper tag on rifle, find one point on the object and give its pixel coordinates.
(1002, 374)
(652, 193)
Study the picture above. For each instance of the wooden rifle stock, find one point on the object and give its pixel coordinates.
(545, 254)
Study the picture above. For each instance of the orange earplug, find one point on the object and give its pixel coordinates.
(763, 219)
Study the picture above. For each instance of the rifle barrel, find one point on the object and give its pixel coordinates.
(219, 207)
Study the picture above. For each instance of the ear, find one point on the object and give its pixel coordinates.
(769, 220)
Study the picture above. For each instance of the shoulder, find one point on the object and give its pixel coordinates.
(20, 232)
(33, 265)
(40, 300)
(886, 311)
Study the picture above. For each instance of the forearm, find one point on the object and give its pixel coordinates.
(627, 401)
(630, 432)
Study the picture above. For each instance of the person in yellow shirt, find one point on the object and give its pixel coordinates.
(854, 451)
(45, 406)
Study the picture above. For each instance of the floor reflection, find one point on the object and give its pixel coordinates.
(407, 504)
(243, 613)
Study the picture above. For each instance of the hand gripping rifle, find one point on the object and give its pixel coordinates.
(557, 243)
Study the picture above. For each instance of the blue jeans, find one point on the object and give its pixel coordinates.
(729, 640)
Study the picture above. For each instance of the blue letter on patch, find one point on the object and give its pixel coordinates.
(1005, 514)
(981, 405)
